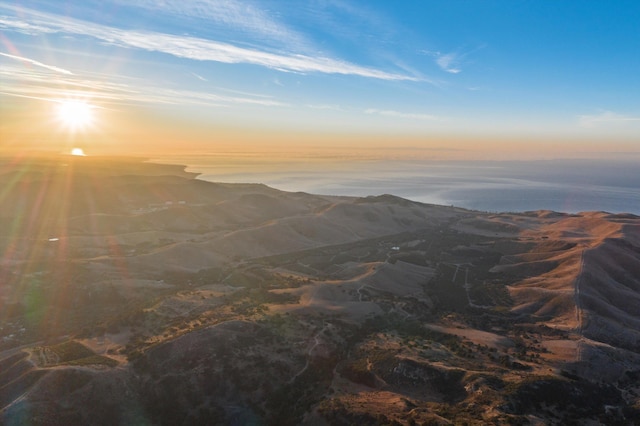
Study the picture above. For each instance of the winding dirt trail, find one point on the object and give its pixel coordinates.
(316, 342)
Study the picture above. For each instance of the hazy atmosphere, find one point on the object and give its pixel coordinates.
(466, 80)
(561, 185)
(319, 212)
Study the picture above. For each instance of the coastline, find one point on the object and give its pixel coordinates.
(568, 186)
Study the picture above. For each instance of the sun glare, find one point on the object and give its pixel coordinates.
(75, 114)
(78, 152)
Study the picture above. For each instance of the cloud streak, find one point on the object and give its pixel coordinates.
(398, 114)
(193, 48)
(199, 77)
(36, 63)
(606, 118)
(36, 84)
(230, 15)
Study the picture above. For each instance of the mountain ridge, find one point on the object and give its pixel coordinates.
(228, 303)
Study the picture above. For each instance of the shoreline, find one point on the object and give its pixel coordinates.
(567, 186)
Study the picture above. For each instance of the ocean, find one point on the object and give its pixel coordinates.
(569, 186)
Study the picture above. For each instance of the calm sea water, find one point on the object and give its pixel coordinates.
(561, 185)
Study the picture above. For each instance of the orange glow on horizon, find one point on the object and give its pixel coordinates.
(111, 129)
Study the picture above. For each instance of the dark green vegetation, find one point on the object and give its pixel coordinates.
(246, 305)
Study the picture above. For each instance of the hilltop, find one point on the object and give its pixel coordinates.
(134, 293)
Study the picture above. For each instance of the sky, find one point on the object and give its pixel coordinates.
(487, 79)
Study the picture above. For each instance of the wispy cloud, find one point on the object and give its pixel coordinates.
(36, 63)
(606, 118)
(37, 98)
(195, 48)
(451, 62)
(199, 77)
(398, 114)
(182, 96)
(327, 107)
(23, 27)
(34, 84)
(229, 15)
(365, 22)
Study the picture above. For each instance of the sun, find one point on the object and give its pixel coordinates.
(75, 114)
(78, 152)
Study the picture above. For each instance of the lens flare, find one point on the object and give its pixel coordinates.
(75, 114)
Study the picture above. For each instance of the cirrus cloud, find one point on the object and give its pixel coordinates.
(398, 114)
(37, 63)
(188, 47)
(606, 118)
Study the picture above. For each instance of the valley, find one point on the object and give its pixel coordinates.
(133, 293)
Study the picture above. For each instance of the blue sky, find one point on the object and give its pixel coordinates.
(535, 71)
